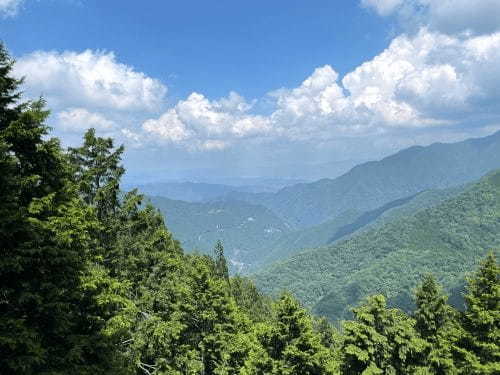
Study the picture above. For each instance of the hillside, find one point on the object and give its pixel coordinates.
(447, 240)
(255, 237)
(245, 229)
(374, 184)
(351, 223)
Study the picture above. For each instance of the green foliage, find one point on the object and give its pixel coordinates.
(45, 325)
(290, 345)
(481, 319)
(221, 269)
(381, 341)
(250, 300)
(432, 311)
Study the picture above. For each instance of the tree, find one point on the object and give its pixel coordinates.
(435, 321)
(381, 341)
(290, 344)
(255, 304)
(221, 269)
(98, 173)
(482, 319)
(44, 238)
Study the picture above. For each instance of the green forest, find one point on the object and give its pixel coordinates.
(93, 282)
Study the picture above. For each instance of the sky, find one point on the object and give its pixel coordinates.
(239, 88)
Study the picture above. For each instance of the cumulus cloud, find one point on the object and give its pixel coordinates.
(79, 119)
(426, 80)
(209, 125)
(90, 79)
(9, 8)
(446, 16)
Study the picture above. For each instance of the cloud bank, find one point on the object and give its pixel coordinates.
(441, 82)
(421, 81)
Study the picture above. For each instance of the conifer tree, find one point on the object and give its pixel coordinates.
(381, 341)
(482, 319)
(44, 325)
(221, 269)
(436, 323)
(290, 344)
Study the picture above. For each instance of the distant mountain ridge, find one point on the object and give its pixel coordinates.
(190, 191)
(373, 184)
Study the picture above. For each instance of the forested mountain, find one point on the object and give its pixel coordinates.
(374, 184)
(93, 283)
(246, 230)
(447, 240)
(254, 236)
(352, 223)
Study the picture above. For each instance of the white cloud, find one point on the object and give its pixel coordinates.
(200, 123)
(446, 16)
(426, 80)
(89, 79)
(9, 8)
(79, 119)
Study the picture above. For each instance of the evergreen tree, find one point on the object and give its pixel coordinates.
(256, 305)
(290, 344)
(381, 341)
(44, 238)
(221, 269)
(432, 311)
(482, 319)
(436, 323)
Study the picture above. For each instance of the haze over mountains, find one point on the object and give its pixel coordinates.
(260, 228)
(373, 184)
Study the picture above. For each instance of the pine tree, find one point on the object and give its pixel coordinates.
(482, 319)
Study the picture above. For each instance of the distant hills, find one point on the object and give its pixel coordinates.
(447, 240)
(202, 191)
(374, 184)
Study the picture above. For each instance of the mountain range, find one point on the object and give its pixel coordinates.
(258, 229)
(374, 184)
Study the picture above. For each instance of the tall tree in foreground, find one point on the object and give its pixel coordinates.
(482, 319)
(44, 241)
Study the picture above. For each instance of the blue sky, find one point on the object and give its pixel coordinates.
(236, 86)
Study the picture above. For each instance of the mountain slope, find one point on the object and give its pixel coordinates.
(351, 223)
(447, 240)
(374, 184)
(244, 229)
